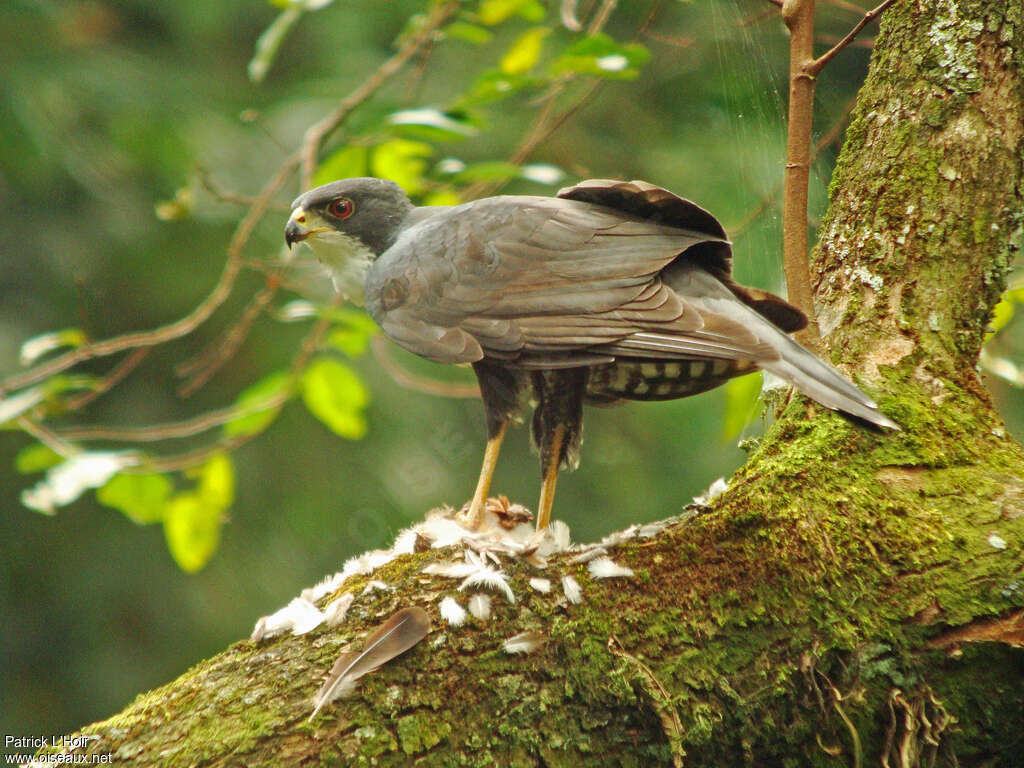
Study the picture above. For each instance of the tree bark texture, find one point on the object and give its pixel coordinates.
(855, 598)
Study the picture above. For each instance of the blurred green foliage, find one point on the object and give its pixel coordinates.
(128, 127)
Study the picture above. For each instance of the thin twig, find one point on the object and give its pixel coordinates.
(601, 17)
(540, 130)
(47, 437)
(180, 461)
(568, 15)
(814, 67)
(660, 699)
(675, 41)
(756, 18)
(108, 382)
(173, 430)
(207, 183)
(846, 6)
(776, 2)
(864, 42)
(202, 369)
(319, 132)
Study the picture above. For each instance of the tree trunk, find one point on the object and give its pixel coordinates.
(854, 598)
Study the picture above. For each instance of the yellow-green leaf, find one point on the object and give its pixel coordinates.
(740, 399)
(403, 162)
(253, 403)
(1001, 316)
(348, 341)
(335, 395)
(442, 197)
(192, 528)
(524, 53)
(36, 458)
(346, 163)
(471, 33)
(491, 12)
(142, 498)
(216, 477)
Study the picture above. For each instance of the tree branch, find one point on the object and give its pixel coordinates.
(799, 18)
(181, 327)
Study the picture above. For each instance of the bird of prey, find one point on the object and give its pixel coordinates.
(610, 291)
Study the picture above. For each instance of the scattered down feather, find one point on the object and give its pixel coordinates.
(452, 612)
(392, 638)
(480, 606)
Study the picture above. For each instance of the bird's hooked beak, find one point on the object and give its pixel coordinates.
(297, 229)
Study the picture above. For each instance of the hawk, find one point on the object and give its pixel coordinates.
(611, 291)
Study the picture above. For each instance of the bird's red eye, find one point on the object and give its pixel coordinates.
(341, 208)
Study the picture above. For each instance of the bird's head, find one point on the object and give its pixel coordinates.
(348, 224)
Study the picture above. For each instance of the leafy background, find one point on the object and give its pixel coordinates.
(114, 109)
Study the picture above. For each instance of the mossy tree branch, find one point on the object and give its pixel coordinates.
(854, 598)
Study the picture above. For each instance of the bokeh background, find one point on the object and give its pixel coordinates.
(109, 107)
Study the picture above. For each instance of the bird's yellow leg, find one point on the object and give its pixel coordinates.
(547, 486)
(474, 517)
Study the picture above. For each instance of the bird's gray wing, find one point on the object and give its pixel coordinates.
(526, 278)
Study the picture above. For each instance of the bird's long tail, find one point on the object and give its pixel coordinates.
(795, 364)
(820, 381)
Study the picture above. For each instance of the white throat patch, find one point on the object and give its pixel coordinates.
(347, 260)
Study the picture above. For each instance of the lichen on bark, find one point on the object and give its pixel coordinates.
(842, 604)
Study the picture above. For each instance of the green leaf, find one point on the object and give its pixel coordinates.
(524, 53)
(740, 399)
(142, 498)
(602, 56)
(494, 170)
(345, 163)
(354, 318)
(349, 341)
(253, 401)
(403, 162)
(1004, 310)
(442, 197)
(268, 43)
(495, 85)
(470, 33)
(216, 477)
(192, 528)
(36, 458)
(492, 12)
(432, 124)
(335, 395)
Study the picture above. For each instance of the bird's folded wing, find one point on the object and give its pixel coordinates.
(548, 276)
